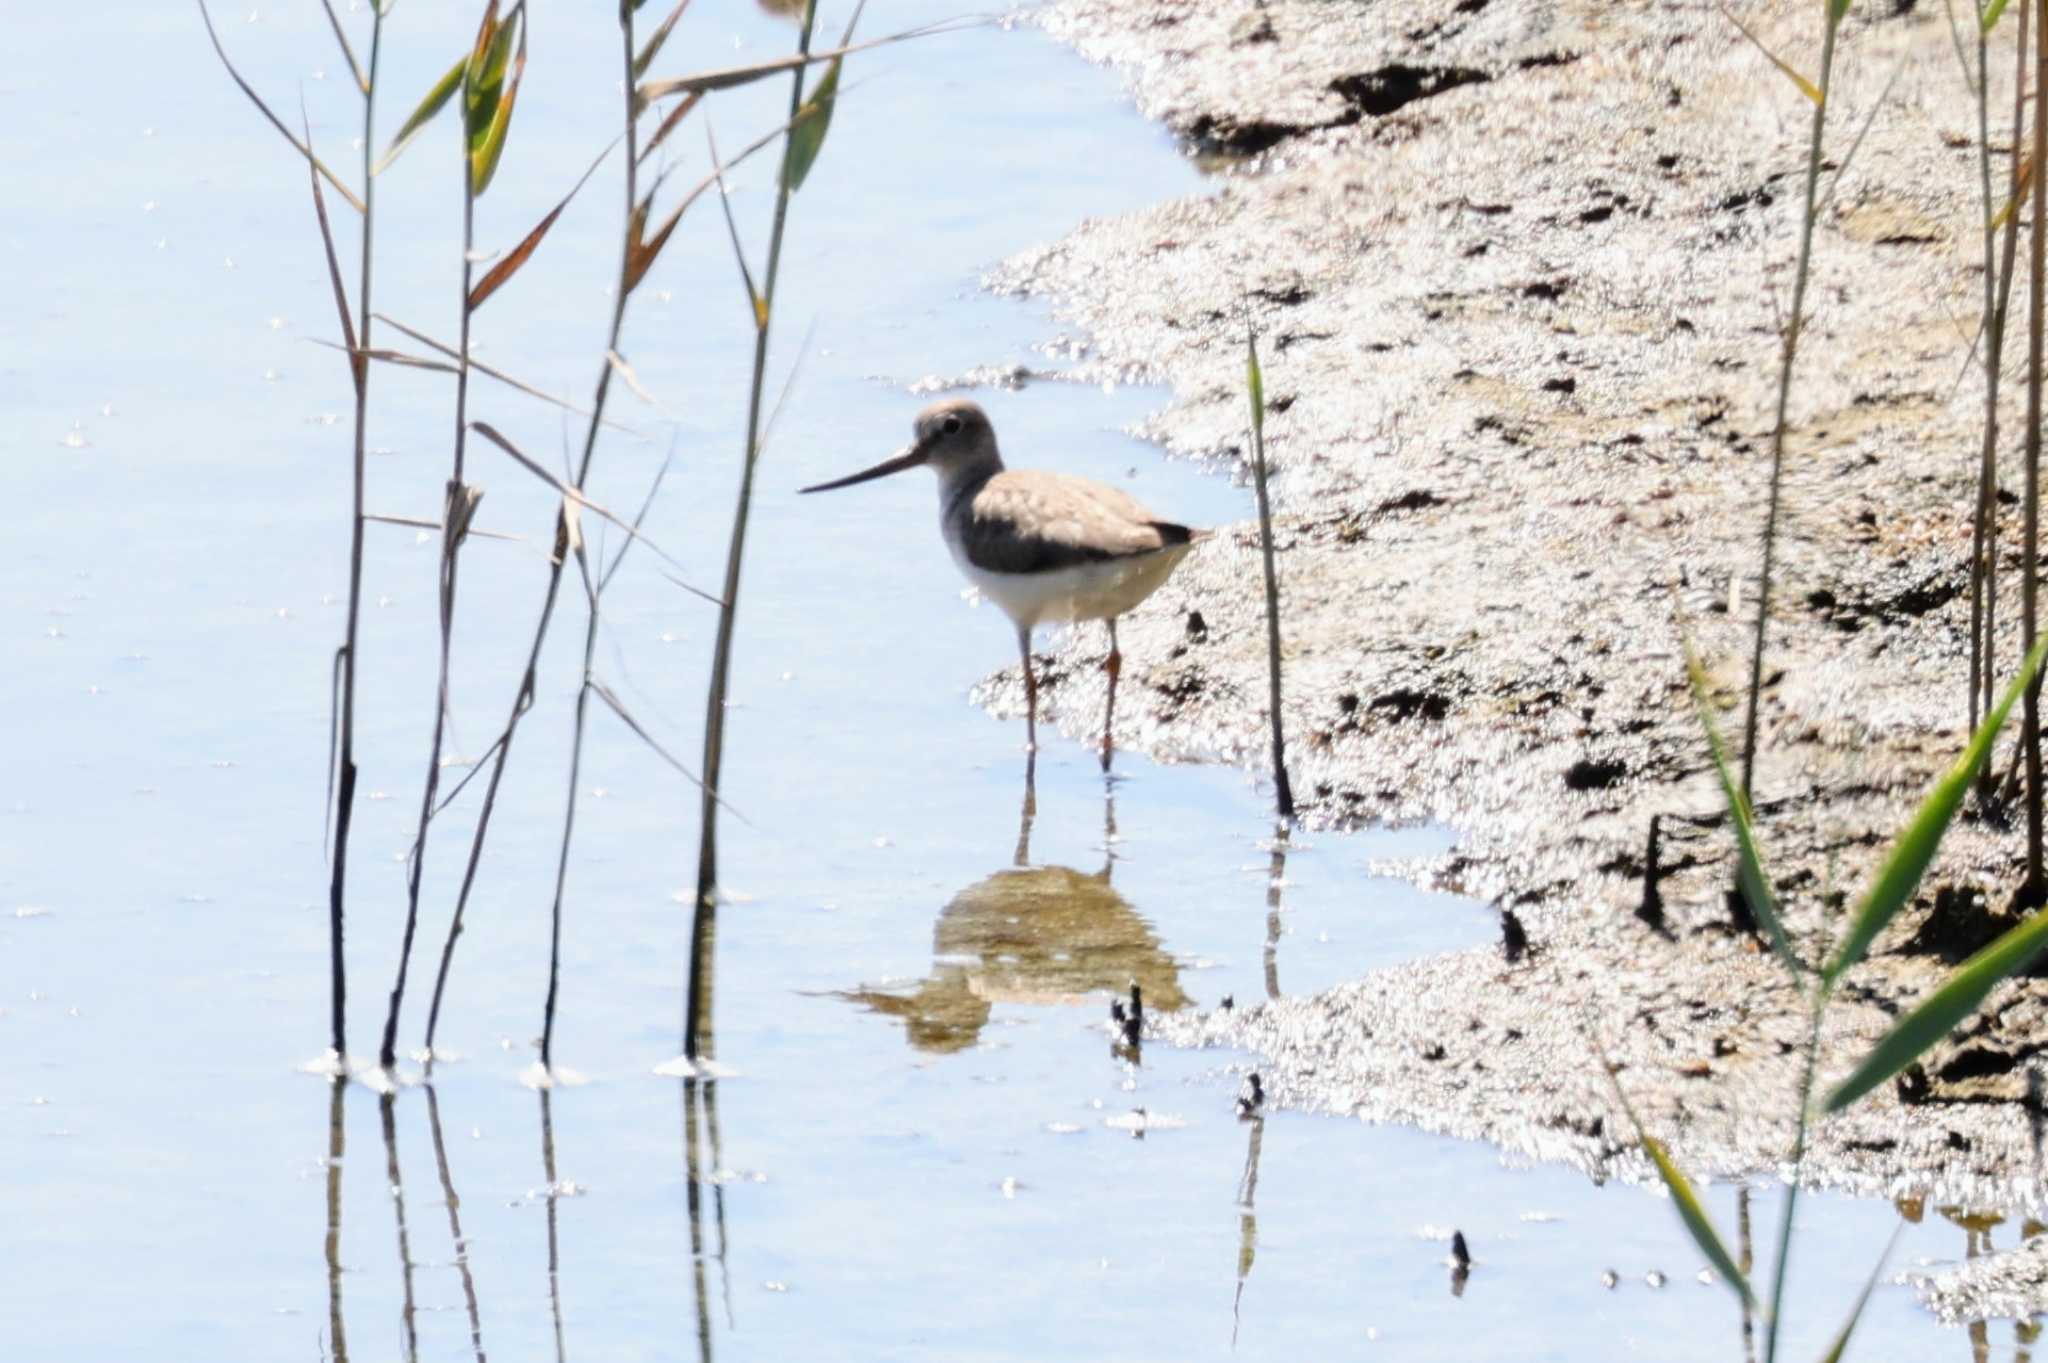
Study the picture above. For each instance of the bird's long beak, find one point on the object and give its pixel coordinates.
(909, 457)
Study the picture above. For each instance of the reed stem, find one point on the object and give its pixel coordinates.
(564, 539)
(704, 918)
(1793, 326)
(2030, 734)
(345, 753)
(454, 524)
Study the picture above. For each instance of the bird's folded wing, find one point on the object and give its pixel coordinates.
(1028, 521)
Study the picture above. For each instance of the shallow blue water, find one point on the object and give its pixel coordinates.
(177, 461)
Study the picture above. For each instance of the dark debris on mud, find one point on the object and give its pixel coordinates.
(1519, 269)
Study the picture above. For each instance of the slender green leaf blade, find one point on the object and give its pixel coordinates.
(483, 84)
(483, 157)
(1694, 1215)
(436, 99)
(1755, 883)
(1841, 1344)
(807, 133)
(1907, 862)
(1992, 12)
(1937, 1015)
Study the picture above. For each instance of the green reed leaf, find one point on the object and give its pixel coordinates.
(807, 133)
(1750, 875)
(1697, 1223)
(436, 99)
(1907, 862)
(1937, 1015)
(484, 152)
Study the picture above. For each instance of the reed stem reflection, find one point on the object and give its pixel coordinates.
(1276, 879)
(693, 1178)
(454, 1206)
(337, 1334)
(1247, 1216)
(718, 1194)
(1747, 1263)
(547, 1161)
(387, 1115)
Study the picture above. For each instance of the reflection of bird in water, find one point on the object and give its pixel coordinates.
(1029, 934)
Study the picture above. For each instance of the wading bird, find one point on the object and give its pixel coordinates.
(1043, 546)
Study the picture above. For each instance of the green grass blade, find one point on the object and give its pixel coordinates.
(1900, 875)
(1841, 1344)
(437, 99)
(1682, 1195)
(807, 130)
(807, 134)
(1991, 13)
(1750, 875)
(1937, 1014)
(484, 153)
(1694, 1215)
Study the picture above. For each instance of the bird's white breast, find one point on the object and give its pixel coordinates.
(1098, 590)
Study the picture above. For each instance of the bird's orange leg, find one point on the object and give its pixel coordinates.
(1113, 665)
(1030, 693)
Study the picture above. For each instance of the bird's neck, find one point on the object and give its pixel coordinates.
(959, 482)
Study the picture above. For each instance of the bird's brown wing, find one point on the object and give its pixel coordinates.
(1026, 521)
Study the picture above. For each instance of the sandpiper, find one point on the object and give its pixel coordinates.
(1043, 546)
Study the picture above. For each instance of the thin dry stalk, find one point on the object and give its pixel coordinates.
(2037, 249)
(1793, 325)
(459, 505)
(567, 537)
(1283, 789)
(593, 591)
(341, 742)
(704, 918)
(345, 724)
(1997, 307)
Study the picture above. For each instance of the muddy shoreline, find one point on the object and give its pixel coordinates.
(1519, 267)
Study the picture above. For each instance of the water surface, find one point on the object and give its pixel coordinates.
(925, 1147)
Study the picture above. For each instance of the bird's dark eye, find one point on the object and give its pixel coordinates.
(951, 425)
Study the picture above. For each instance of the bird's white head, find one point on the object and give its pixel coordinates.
(954, 437)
